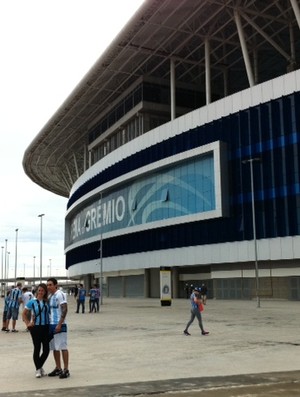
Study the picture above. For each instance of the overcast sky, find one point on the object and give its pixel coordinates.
(46, 49)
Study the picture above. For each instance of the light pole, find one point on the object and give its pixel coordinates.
(2, 278)
(16, 255)
(8, 253)
(34, 270)
(5, 262)
(41, 247)
(50, 270)
(101, 268)
(101, 258)
(251, 161)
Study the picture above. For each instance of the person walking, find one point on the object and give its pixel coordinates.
(81, 298)
(58, 328)
(93, 297)
(195, 312)
(15, 299)
(36, 318)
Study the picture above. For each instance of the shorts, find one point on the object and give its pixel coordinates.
(13, 313)
(59, 341)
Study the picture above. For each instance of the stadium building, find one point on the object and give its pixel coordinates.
(180, 148)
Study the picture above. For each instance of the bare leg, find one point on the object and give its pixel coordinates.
(56, 355)
(65, 356)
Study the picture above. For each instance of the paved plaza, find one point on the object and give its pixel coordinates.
(136, 347)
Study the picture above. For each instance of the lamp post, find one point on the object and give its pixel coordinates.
(50, 270)
(2, 278)
(251, 161)
(101, 258)
(8, 253)
(16, 255)
(5, 262)
(34, 270)
(101, 268)
(41, 246)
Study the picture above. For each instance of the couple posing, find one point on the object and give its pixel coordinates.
(45, 318)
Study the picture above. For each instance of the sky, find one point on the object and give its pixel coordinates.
(47, 46)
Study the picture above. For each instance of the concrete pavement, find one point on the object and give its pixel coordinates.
(136, 347)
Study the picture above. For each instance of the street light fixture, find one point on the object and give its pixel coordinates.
(34, 270)
(101, 259)
(251, 161)
(101, 268)
(2, 278)
(41, 247)
(8, 253)
(16, 255)
(5, 263)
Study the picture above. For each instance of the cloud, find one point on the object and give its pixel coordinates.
(46, 49)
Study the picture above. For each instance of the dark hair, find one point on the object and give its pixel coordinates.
(44, 286)
(52, 280)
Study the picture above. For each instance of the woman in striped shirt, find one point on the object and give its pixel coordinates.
(38, 325)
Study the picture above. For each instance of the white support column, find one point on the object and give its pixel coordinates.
(255, 62)
(172, 88)
(207, 72)
(225, 81)
(84, 158)
(75, 165)
(296, 10)
(244, 48)
(69, 174)
(225, 71)
(292, 65)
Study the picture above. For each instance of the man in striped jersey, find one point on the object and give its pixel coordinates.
(58, 327)
(13, 307)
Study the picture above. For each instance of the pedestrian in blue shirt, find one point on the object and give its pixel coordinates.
(36, 317)
(93, 299)
(5, 309)
(81, 298)
(195, 312)
(15, 298)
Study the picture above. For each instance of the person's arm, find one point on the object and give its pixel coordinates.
(64, 311)
(29, 322)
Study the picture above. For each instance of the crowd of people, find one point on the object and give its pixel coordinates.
(80, 294)
(44, 315)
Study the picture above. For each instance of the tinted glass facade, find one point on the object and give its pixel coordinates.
(270, 132)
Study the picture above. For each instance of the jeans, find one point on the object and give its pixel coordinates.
(195, 313)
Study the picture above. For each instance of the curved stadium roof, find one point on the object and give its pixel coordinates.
(159, 31)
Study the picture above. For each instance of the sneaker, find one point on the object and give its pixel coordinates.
(43, 372)
(7, 330)
(64, 374)
(205, 332)
(3, 329)
(186, 333)
(55, 372)
(38, 373)
(14, 330)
